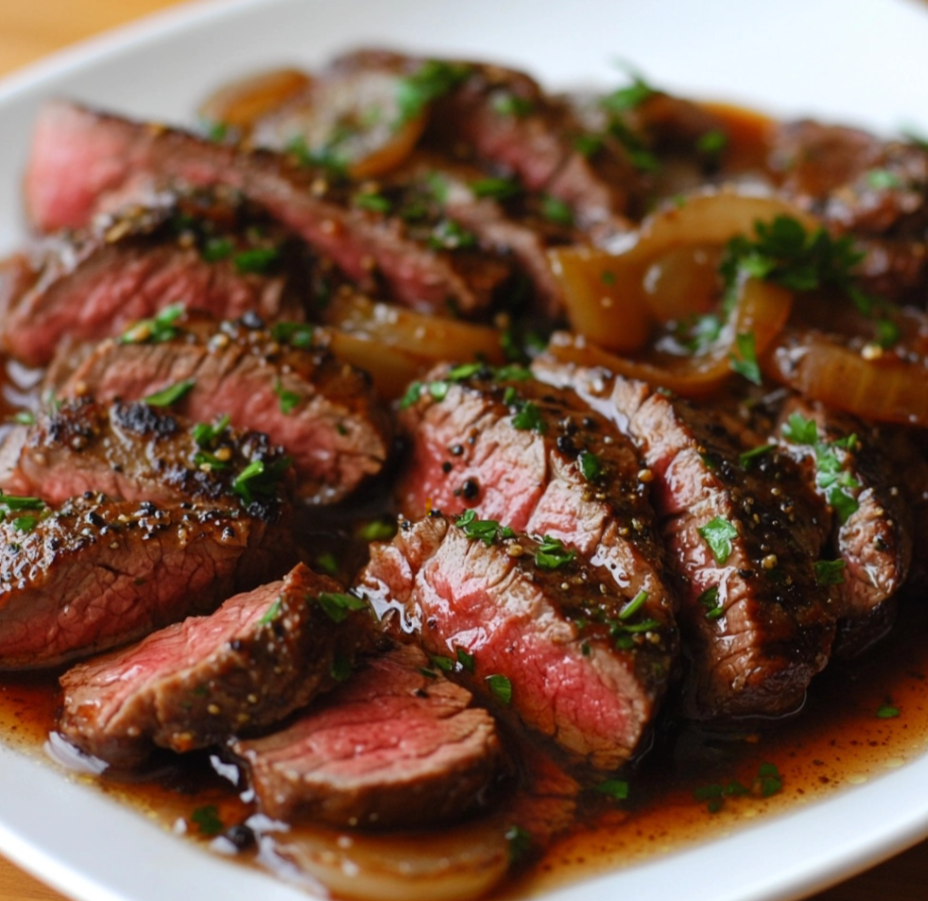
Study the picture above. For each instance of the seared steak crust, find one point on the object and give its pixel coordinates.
(532, 457)
(559, 645)
(129, 160)
(96, 573)
(188, 249)
(246, 666)
(322, 411)
(871, 534)
(393, 747)
(138, 452)
(743, 535)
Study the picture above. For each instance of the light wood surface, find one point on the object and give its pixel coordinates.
(30, 29)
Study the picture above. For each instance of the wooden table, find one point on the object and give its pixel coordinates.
(32, 29)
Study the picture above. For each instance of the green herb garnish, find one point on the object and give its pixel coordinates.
(207, 820)
(552, 554)
(496, 188)
(433, 79)
(287, 400)
(486, 530)
(529, 418)
(590, 465)
(829, 572)
(271, 613)
(337, 605)
(718, 534)
(710, 601)
(157, 330)
(296, 334)
(501, 688)
(257, 260)
(747, 458)
(169, 395)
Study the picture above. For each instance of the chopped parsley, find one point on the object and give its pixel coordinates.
(712, 143)
(25, 523)
(552, 554)
(520, 843)
(216, 249)
(337, 605)
(748, 458)
(207, 820)
(445, 664)
(450, 235)
(170, 395)
(711, 602)
(486, 530)
(887, 711)
(744, 361)
(256, 260)
(296, 334)
(505, 103)
(259, 478)
(501, 688)
(271, 613)
(288, 401)
(628, 97)
(832, 480)
(205, 434)
(633, 606)
(617, 789)
(466, 660)
(590, 465)
(829, 572)
(718, 534)
(341, 667)
(528, 418)
(376, 530)
(883, 179)
(556, 210)
(496, 188)
(375, 203)
(327, 563)
(433, 79)
(156, 330)
(767, 782)
(22, 417)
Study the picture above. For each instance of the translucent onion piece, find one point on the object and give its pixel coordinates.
(615, 313)
(350, 119)
(885, 387)
(456, 864)
(431, 339)
(241, 103)
(391, 369)
(762, 309)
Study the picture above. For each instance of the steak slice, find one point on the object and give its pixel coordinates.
(83, 161)
(535, 630)
(844, 460)
(392, 747)
(139, 452)
(535, 459)
(208, 252)
(95, 573)
(245, 667)
(743, 535)
(321, 411)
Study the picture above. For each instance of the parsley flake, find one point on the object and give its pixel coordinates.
(718, 534)
(590, 465)
(207, 820)
(552, 554)
(829, 572)
(433, 79)
(710, 600)
(287, 400)
(170, 395)
(501, 688)
(337, 605)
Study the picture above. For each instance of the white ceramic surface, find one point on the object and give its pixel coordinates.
(863, 62)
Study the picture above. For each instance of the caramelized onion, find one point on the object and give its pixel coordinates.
(608, 296)
(762, 309)
(352, 120)
(884, 386)
(396, 344)
(241, 103)
(452, 864)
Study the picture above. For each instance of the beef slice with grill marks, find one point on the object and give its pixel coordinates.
(83, 161)
(243, 668)
(202, 251)
(535, 459)
(93, 573)
(322, 411)
(743, 535)
(845, 462)
(394, 747)
(140, 452)
(536, 630)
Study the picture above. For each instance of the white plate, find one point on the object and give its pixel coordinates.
(863, 62)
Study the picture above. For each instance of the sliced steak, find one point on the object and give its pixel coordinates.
(94, 573)
(395, 746)
(83, 161)
(321, 411)
(844, 460)
(743, 534)
(533, 458)
(502, 119)
(533, 628)
(874, 189)
(139, 452)
(202, 251)
(259, 657)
